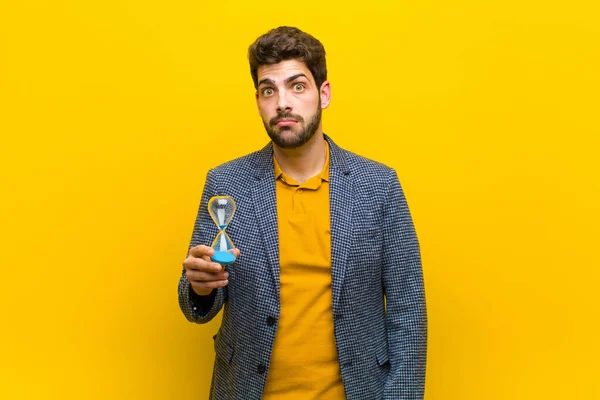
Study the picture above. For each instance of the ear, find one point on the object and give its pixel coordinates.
(257, 107)
(325, 92)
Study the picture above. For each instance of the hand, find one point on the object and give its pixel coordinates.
(203, 274)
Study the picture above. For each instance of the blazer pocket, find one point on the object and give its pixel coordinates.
(370, 234)
(367, 245)
(224, 351)
(382, 354)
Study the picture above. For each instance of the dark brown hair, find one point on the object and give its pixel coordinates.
(288, 43)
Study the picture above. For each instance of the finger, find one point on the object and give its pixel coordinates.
(201, 264)
(214, 266)
(201, 250)
(198, 286)
(236, 252)
(199, 276)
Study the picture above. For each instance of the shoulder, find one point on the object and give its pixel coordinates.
(362, 168)
(239, 169)
(237, 166)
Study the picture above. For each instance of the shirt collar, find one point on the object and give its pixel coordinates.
(322, 176)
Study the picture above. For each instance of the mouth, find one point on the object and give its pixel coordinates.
(286, 122)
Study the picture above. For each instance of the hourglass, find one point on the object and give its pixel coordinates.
(221, 209)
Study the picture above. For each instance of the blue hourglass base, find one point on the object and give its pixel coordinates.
(223, 257)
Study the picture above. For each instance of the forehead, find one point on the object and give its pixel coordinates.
(279, 72)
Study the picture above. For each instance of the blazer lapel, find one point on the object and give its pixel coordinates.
(265, 206)
(340, 202)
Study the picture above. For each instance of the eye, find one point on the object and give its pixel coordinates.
(267, 92)
(298, 87)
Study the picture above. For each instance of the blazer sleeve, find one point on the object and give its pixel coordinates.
(201, 309)
(406, 317)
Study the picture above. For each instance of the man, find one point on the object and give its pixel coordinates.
(326, 299)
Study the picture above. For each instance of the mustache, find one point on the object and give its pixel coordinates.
(278, 118)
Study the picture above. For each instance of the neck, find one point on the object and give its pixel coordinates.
(304, 162)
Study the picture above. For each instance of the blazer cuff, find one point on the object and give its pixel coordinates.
(202, 304)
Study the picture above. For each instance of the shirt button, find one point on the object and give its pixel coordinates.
(270, 320)
(261, 368)
(299, 191)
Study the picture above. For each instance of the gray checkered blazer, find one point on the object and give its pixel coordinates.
(375, 254)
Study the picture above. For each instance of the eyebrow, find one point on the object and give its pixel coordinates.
(287, 80)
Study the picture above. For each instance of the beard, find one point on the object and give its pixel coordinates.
(285, 138)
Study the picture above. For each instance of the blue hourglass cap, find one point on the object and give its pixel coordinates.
(223, 257)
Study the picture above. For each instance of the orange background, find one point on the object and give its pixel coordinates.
(111, 113)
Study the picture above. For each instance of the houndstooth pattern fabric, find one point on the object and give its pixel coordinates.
(381, 344)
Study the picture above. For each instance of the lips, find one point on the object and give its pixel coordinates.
(286, 122)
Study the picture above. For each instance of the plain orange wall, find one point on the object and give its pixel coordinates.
(112, 111)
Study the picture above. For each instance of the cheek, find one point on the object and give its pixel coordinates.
(309, 101)
(309, 107)
(261, 110)
(264, 112)
(264, 107)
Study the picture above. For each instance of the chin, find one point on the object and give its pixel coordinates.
(291, 142)
(287, 144)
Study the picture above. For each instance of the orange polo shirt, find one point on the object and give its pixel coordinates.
(304, 363)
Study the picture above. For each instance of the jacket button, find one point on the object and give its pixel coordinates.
(261, 368)
(270, 320)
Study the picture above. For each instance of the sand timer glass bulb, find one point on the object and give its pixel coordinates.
(221, 209)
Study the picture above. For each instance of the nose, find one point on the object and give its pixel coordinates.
(283, 103)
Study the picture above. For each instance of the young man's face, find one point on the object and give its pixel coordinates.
(289, 102)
